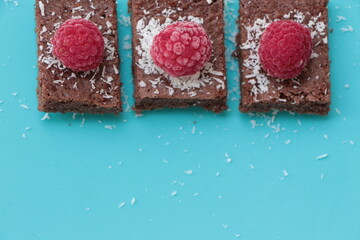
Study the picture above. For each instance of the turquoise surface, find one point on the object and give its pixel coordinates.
(68, 178)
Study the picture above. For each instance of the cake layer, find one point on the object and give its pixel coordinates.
(155, 89)
(63, 90)
(309, 92)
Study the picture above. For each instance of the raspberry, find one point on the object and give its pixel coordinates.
(79, 45)
(181, 49)
(285, 49)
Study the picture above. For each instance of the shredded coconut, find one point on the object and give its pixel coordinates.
(122, 204)
(46, 117)
(347, 29)
(188, 172)
(42, 8)
(322, 156)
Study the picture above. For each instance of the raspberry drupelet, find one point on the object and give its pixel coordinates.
(285, 49)
(181, 49)
(79, 45)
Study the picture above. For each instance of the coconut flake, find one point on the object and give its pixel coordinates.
(25, 106)
(46, 117)
(322, 157)
(142, 84)
(42, 8)
(188, 172)
(347, 29)
(121, 204)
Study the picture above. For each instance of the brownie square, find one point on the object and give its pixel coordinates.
(308, 93)
(62, 90)
(154, 89)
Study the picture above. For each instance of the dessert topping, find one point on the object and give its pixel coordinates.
(285, 49)
(79, 45)
(181, 49)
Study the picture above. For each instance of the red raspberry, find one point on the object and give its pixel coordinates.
(79, 45)
(285, 49)
(181, 49)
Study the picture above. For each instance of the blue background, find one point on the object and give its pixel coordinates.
(64, 178)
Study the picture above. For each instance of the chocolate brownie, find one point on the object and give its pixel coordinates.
(155, 89)
(309, 92)
(63, 90)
